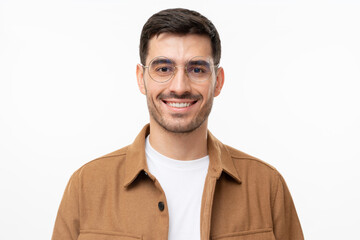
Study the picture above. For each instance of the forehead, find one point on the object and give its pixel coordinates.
(180, 48)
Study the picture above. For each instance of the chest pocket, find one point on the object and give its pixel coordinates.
(261, 234)
(105, 235)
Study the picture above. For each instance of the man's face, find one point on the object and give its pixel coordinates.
(179, 105)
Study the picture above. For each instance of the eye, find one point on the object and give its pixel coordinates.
(198, 67)
(198, 70)
(163, 69)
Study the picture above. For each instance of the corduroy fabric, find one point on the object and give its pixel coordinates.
(115, 197)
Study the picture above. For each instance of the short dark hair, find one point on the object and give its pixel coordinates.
(179, 21)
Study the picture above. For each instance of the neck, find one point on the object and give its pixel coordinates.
(179, 146)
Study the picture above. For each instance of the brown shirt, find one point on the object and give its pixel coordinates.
(116, 198)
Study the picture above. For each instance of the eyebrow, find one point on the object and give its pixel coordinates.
(199, 62)
(162, 61)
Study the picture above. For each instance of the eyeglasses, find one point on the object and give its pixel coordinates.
(198, 69)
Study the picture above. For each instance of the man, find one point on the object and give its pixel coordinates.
(177, 181)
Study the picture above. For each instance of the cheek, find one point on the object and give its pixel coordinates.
(153, 91)
(208, 91)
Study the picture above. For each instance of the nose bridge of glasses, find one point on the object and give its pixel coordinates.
(184, 71)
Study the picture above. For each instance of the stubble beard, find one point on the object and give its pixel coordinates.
(175, 124)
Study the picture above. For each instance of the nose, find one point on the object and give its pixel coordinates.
(180, 82)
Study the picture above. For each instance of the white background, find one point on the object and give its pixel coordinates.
(68, 94)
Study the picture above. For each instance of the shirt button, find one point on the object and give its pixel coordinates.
(161, 206)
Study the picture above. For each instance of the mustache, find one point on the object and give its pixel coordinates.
(186, 95)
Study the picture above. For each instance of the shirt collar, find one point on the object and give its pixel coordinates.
(220, 158)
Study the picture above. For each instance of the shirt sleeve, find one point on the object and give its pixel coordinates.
(286, 223)
(67, 223)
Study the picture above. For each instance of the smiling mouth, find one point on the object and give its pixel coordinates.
(179, 104)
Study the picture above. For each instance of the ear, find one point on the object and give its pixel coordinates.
(220, 77)
(140, 79)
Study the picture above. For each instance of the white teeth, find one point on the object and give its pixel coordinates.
(178, 105)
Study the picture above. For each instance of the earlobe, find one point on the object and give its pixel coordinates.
(140, 78)
(220, 77)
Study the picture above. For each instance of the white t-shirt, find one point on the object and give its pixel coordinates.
(183, 184)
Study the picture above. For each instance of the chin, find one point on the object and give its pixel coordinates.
(180, 127)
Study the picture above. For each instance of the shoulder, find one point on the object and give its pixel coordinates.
(103, 166)
(248, 165)
(242, 157)
(256, 174)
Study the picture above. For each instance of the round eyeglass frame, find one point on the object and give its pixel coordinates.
(213, 69)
